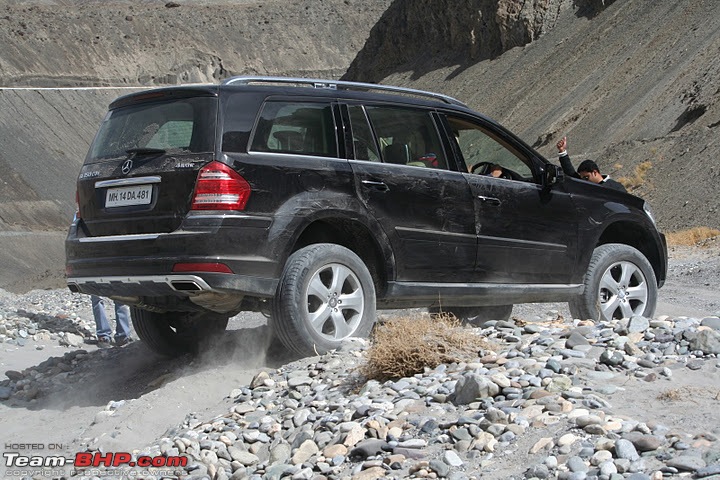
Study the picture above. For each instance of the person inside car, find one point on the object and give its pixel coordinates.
(496, 171)
(587, 170)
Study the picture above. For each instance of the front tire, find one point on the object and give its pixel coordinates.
(619, 283)
(325, 295)
(172, 334)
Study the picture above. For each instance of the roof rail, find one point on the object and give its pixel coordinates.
(341, 85)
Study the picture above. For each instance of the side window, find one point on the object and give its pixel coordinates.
(407, 136)
(485, 153)
(292, 127)
(363, 141)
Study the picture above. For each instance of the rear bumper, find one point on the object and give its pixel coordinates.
(142, 265)
(180, 285)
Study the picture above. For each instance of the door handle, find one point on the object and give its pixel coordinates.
(380, 186)
(489, 200)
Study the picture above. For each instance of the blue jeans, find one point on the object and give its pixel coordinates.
(122, 319)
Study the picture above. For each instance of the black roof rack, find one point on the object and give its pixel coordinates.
(341, 85)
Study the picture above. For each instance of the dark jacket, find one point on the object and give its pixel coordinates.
(614, 184)
(569, 170)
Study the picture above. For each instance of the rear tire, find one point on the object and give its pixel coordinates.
(619, 283)
(175, 333)
(325, 295)
(476, 316)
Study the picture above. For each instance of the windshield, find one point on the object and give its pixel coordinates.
(178, 126)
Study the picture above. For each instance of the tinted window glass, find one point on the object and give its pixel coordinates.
(363, 140)
(485, 152)
(407, 136)
(179, 126)
(290, 127)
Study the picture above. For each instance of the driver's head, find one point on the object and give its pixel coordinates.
(588, 170)
(495, 170)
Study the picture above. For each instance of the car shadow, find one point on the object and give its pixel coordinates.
(96, 377)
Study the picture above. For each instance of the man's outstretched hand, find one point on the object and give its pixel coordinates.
(561, 145)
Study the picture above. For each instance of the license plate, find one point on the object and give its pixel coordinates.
(126, 196)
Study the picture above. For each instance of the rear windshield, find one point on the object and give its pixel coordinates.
(178, 126)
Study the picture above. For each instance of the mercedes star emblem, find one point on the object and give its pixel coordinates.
(126, 167)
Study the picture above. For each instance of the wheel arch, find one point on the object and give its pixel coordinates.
(355, 236)
(639, 237)
(330, 217)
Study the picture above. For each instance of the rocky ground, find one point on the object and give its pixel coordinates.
(552, 398)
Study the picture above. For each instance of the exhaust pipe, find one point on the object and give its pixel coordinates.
(185, 286)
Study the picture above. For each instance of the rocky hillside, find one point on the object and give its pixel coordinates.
(634, 84)
(111, 43)
(63, 61)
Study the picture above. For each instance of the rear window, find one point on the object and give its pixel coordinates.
(298, 128)
(179, 126)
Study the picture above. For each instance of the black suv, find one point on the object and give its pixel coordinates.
(318, 201)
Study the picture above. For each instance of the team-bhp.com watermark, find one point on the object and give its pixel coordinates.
(18, 463)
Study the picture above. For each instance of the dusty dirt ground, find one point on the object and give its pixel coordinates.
(159, 393)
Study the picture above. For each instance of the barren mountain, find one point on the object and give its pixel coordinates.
(635, 82)
(634, 85)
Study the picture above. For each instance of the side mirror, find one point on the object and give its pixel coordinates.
(552, 175)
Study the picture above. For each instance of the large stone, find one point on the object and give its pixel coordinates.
(612, 358)
(559, 383)
(306, 450)
(71, 340)
(280, 454)
(471, 387)
(5, 393)
(259, 379)
(246, 458)
(638, 324)
(645, 443)
(372, 473)
(368, 448)
(452, 458)
(686, 463)
(334, 450)
(14, 375)
(441, 468)
(712, 322)
(576, 339)
(625, 449)
(707, 341)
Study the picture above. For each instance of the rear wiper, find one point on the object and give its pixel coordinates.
(145, 151)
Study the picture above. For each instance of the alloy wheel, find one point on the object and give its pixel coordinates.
(623, 291)
(335, 302)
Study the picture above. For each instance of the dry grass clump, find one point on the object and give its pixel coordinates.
(404, 346)
(688, 393)
(672, 395)
(691, 237)
(638, 176)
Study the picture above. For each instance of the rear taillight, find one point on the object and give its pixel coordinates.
(219, 187)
